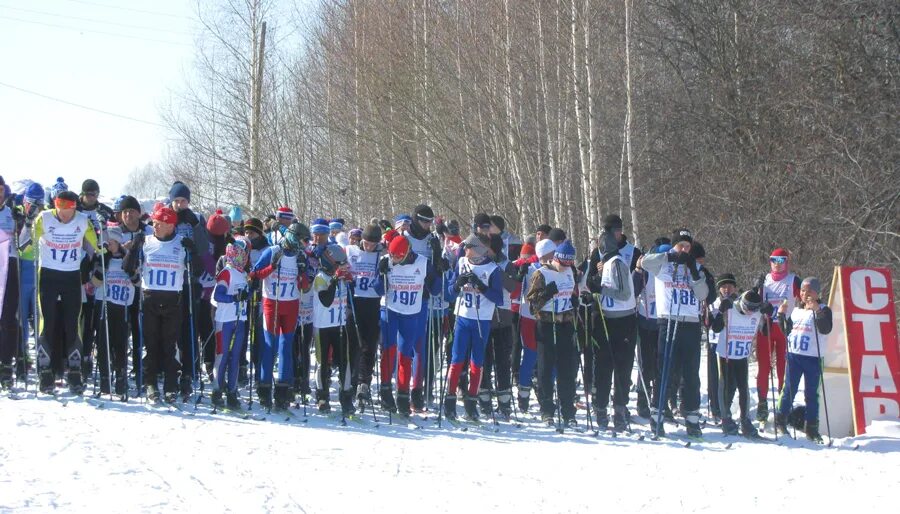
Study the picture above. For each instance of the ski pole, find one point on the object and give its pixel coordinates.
(581, 366)
(822, 378)
(559, 425)
(641, 341)
(105, 315)
(667, 355)
(772, 364)
(275, 327)
(251, 338)
(193, 340)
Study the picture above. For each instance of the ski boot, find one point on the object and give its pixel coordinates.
(643, 410)
(601, 416)
(104, 385)
(186, 388)
(121, 384)
(264, 394)
(418, 400)
(729, 427)
(243, 376)
(620, 418)
(171, 397)
(232, 401)
(216, 398)
(48, 383)
(151, 392)
(523, 397)
(747, 429)
(781, 423)
(403, 404)
(484, 401)
(283, 396)
(23, 366)
(6, 377)
(547, 418)
(504, 404)
(322, 402)
(657, 426)
(386, 393)
(812, 432)
(76, 385)
(346, 399)
(762, 411)
(363, 395)
(450, 407)
(470, 404)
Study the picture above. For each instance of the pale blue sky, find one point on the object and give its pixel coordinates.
(90, 64)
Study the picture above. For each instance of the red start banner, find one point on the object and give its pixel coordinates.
(865, 300)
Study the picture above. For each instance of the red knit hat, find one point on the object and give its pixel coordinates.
(165, 215)
(527, 249)
(780, 252)
(399, 247)
(217, 225)
(284, 212)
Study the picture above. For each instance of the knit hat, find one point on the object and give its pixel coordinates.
(682, 234)
(284, 213)
(372, 233)
(557, 235)
(254, 224)
(34, 193)
(165, 215)
(90, 186)
(319, 228)
(180, 190)
(725, 278)
(481, 220)
(235, 214)
(612, 222)
(334, 225)
(423, 213)
(780, 252)
(750, 301)
(398, 247)
(238, 253)
(812, 283)
(113, 232)
(527, 249)
(498, 222)
(545, 247)
(217, 225)
(401, 219)
(332, 257)
(356, 232)
(477, 244)
(565, 253)
(58, 187)
(127, 202)
(544, 228)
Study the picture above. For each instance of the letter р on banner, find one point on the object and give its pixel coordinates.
(862, 301)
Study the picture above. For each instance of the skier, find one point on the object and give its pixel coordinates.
(231, 295)
(499, 347)
(32, 205)
(331, 313)
(726, 285)
(282, 269)
(614, 331)
(161, 259)
(553, 298)
(679, 284)
(775, 287)
(119, 295)
(738, 320)
(192, 226)
(527, 264)
(64, 236)
(128, 213)
(806, 324)
(648, 329)
(363, 258)
(11, 220)
(284, 216)
(478, 287)
(255, 233)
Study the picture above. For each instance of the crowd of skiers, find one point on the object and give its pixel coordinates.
(408, 303)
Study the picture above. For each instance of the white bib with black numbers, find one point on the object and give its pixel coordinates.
(674, 295)
(609, 303)
(234, 311)
(281, 284)
(741, 331)
(405, 286)
(472, 304)
(524, 307)
(565, 284)
(335, 314)
(804, 337)
(119, 289)
(62, 244)
(163, 268)
(363, 266)
(776, 291)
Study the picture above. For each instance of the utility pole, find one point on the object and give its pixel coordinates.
(255, 119)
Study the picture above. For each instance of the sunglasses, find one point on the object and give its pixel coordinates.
(92, 194)
(778, 260)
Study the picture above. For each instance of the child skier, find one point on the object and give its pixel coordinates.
(231, 294)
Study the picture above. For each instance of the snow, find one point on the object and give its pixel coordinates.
(133, 458)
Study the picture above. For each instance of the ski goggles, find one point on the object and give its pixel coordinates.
(779, 259)
(62, 203)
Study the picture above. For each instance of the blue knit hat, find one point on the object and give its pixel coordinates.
(565, 252)
(34, 193)
(235, 214)
(58, 187)
(400, 219)
(319, 226)
(334, 225)
(180, 190)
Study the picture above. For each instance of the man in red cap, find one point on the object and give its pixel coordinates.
(777, 286)
(402, 275)
(161, 260)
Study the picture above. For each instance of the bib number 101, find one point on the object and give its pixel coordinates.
(161, 277)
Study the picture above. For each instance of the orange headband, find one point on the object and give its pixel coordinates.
(62, 203)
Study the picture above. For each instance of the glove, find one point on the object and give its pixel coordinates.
(188, 244)
(575, 302)
(477, 283)
(344, 274)
(301, 267)
(384, 265)
(767, 309)
(725, 304)
(242, 295)
(17, 215)
(587, 298)
(188, 216)
(32, 212)
(551, 290)
(463, 279)
(276, 257)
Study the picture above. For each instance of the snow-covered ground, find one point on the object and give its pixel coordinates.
(127, 457)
